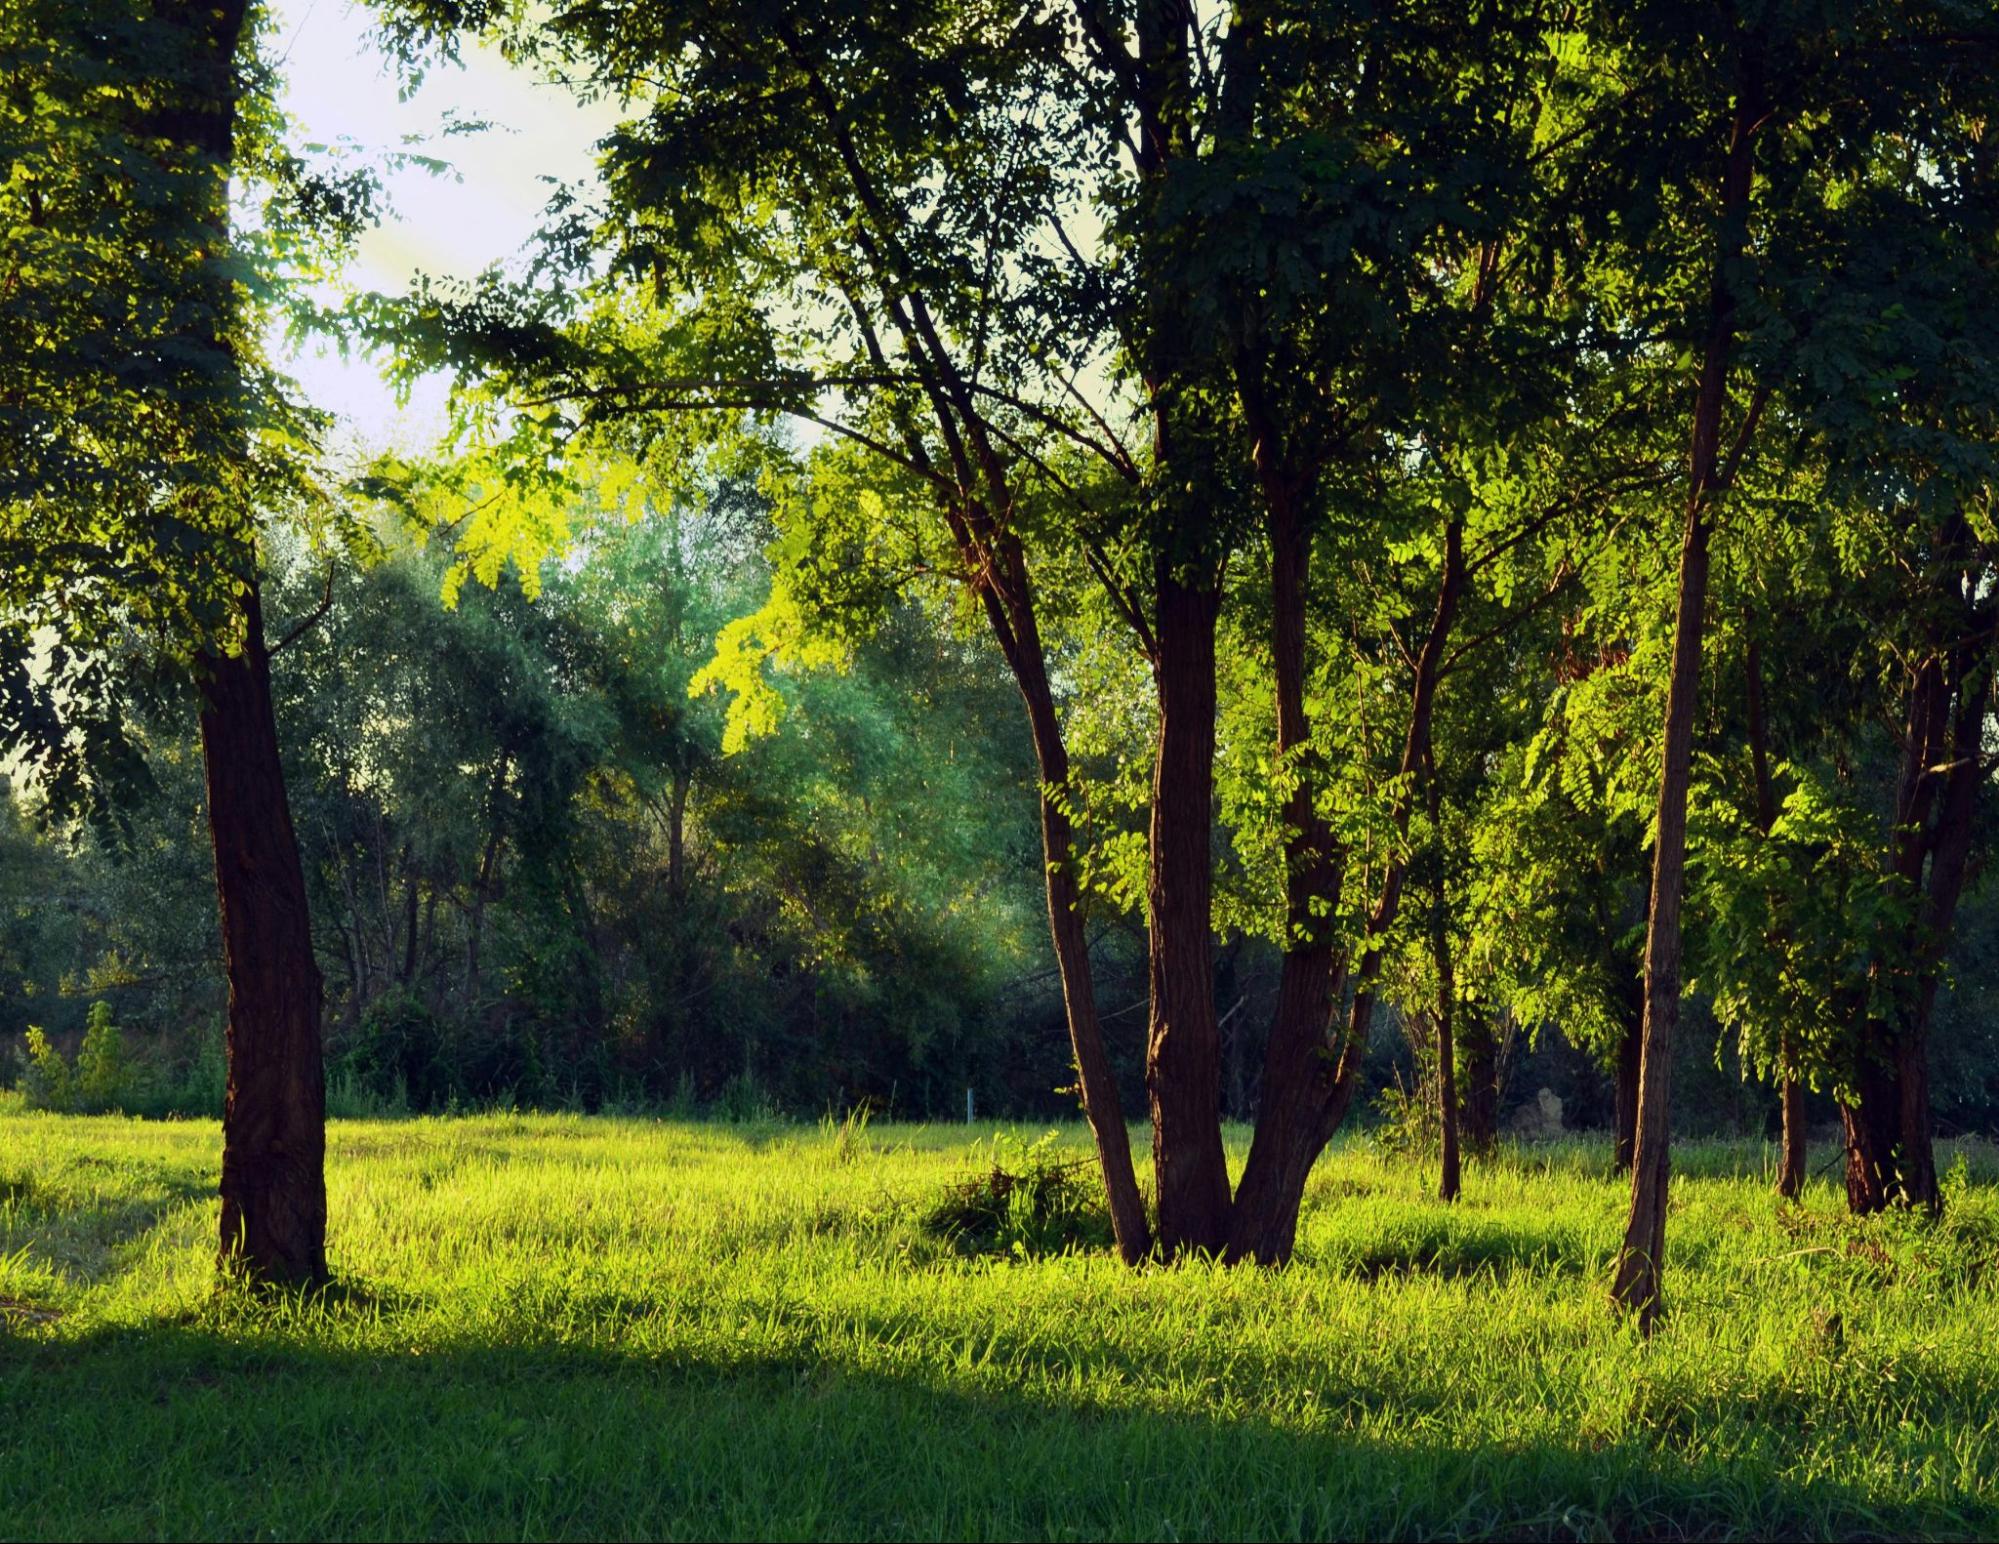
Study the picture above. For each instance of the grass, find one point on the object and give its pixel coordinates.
(559, 1326)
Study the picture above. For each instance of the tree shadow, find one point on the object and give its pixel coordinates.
(83, 1236)
(204, 1430)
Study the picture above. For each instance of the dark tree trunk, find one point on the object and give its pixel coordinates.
(274, 1112)
(1307, 1088)
(676, 832)
(1479, 1117)
(482, 884)
(1891, 1154)
(1183, 1051)
(410, 915)
(1447, 995)
(1625, 1103)
(1641, 1261)
(274, 1108)
(1300, 1077)
(1950, 853)
(1095, 1081)
(1870, 1125)
(1791, 1166)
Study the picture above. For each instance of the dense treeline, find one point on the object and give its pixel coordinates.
(535, 879)
(1479, 522)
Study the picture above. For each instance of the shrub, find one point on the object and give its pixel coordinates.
(46, 1080)
(1029, 1201)
(102, 1079)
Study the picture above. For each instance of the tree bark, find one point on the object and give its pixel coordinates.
(676, 831)
(410, 914)
(1183, 1050)
(1300, 1074)
(1479, 1120)
(1096, 1082)
(1636, 1286)
(1447, 994)
(1307, 1086)
(274, 1111)
(1625, 1104)
(1890, 1142)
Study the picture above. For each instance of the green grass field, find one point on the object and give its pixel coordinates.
(572, 1327)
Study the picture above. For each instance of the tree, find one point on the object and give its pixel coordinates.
(143, 439)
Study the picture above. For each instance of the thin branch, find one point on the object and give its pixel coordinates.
(310, 619)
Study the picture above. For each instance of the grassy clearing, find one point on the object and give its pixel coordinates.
(580, 1327)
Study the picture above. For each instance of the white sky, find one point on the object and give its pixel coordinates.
(340, 89)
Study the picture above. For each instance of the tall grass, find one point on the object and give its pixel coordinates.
(566, 1326)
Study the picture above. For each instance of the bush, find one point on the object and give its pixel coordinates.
(392, 1059)
(1029, 1202)
(100, 1082)
(103, 1077)
(45, 1081)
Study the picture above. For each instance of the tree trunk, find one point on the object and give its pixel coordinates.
(274, 1112)
(1479, 1121)
(1096, 1082)
(1447, 994)
(1300, 1075)
(274, 1108)
(676, 832)
(1890, 1143)
(482, 885)
(410, 914)
(1870, 1124)
(1307, 1088)
(1950, 852)
(1183, 1050)
(1641, 1261)
(1625, 1104)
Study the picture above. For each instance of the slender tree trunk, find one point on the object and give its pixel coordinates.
(1480, 1116)
(1307, 1089)
(1889, 1138)
(1625, 1103)
(1300, 1075)
(1639, 1266)
(1096, 1082)
(1791, 1167)
(676, 832)
(1447, 994)
(482, 885)
(411, 899)
(1183, 1050)
(1641, 1261)
(274, 1111)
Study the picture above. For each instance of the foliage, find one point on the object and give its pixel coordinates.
(46, 1080)
(99, 1079)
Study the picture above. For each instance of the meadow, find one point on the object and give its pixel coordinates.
(588, 1327)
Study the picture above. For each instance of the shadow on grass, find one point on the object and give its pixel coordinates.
(84, 1239)
(204, 1431)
